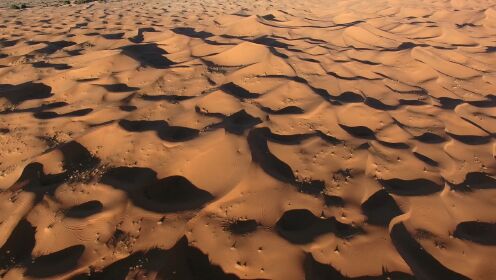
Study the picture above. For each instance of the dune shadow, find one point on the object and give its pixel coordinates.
(411, 102)
(119, 88)
(423, 264)
(113, 36)
(430, 138)
(291, 139)
(315, 270)
(142, 125)
(380, 208)
(474, 181)
(362, 132)
(191, 32)
(173, 194)
(149, 55)
(465, 24)
(270, 42)
(140, 36)
(354, 78)
(178, 133)
(394, 145)
(477, 232)
(170, 98)
(328, 138)
(33, 179)
(350, 97)
(46, 115)
(278, 53)
(426, 159)
(128, 178)
(313, 187)
(181, 262)
(413, 187)
(40, 108)
(17, 94)
(237, 91)
(449, 103)
(162, 128)
(289, 110)
(18, 247)
(169, 194)
(58, 66)
(241, 227)
(258, 142)
(236, 123)
(77, 158)
(84, 210)
(128, 108)
(77, 163)
(491, 49)
(53, 47)
(471, 139)
(377, 104)
(260, 153)
(300, 226)
(55, 263)
(489, 102)
(5, 43)
(334, 201)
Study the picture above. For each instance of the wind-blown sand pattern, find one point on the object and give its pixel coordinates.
(249, 140)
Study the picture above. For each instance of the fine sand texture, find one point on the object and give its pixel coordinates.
(212, 139)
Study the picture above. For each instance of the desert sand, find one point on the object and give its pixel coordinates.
(343, 139)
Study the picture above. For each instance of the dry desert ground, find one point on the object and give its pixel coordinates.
(283, 139)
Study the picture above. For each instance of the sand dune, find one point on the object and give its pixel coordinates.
(248, 140)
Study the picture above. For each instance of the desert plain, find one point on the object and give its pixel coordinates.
(166, 139)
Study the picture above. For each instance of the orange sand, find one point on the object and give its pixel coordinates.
(249, 140)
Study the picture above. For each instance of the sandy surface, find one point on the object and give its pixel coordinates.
(249, 140)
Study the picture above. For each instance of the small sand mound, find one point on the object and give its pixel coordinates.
(243, 54)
